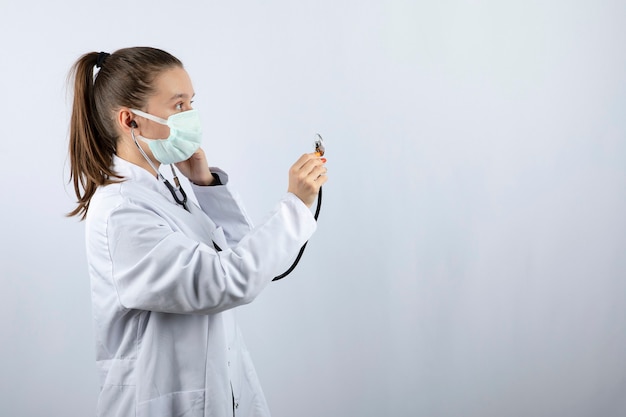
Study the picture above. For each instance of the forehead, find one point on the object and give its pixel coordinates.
(173, 83)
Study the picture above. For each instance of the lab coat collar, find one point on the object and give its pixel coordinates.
(139, 175)
(129, 170)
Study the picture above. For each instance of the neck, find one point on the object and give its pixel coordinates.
(127, 150)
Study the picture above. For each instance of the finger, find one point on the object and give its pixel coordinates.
(301, 161)
(304, 160)
(317, 171)
(313, 164)
(321, 180)
(313, 182)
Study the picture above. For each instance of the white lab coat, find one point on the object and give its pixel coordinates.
(166, 340)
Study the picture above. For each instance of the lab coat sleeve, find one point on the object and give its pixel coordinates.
(224, 207)
(155, 268)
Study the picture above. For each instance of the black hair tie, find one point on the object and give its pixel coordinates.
(102, 56)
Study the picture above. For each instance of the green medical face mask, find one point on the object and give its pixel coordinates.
(184, 139)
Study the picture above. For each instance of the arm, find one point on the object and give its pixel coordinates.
(157, 269)
(224, 207)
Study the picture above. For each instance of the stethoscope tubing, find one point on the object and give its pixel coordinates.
(295, 262)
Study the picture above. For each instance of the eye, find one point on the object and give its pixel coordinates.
(179, 106)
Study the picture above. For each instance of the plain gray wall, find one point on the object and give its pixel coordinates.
(470, 253)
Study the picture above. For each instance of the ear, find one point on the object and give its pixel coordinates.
(125, 120)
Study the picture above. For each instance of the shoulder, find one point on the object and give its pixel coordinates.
(105, 201)
(106, 198)
(111, 198)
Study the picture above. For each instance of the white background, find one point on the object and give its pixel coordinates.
(470, 256)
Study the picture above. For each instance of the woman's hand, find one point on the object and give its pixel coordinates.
(196, 169)
(306, 177)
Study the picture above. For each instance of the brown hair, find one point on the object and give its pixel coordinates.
(125, 79)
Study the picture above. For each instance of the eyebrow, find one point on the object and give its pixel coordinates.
(181, 95)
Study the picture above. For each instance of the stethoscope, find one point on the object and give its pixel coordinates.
(319, 150)
(182, 200)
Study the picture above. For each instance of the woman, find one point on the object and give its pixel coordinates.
(165, 272)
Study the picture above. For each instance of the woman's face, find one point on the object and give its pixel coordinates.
(173, 94)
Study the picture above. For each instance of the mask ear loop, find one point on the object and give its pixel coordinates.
(183, 201)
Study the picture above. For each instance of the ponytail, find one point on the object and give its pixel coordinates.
(125, 79)
(90, 153)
